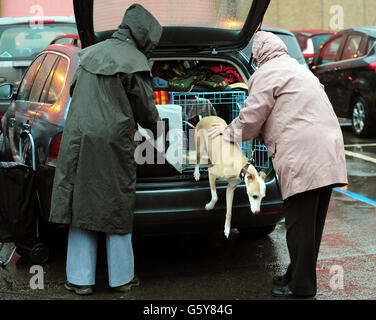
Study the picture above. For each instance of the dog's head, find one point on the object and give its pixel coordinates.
(256, 189)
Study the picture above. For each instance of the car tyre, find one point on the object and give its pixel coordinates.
(360, 120)
(39, 253)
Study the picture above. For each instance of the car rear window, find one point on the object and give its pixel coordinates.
(57, 81)
(28, 80)
(352, 47)
(225, 14)
(41, 77)
(25, 41)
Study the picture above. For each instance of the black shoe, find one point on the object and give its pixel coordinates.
(281, 281)
(285, 292)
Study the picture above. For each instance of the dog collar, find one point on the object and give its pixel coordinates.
(243, 171)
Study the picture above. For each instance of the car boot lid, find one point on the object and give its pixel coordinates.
(214, 26)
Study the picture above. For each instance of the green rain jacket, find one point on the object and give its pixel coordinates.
(95, 178)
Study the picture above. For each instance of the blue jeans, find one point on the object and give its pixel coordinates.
(82, 257)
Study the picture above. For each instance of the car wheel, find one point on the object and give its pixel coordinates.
(257, 232)
(39, 253)
(360, 118)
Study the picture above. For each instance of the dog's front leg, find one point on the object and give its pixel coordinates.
(229, 198)
(214, 198)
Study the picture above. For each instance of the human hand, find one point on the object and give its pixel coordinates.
(216, 130)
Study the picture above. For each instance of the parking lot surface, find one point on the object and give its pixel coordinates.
(209, 266)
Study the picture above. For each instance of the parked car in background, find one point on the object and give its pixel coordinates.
(287, 37)
(346, 66)
(166, 200)
(310, 41)
(41, 102)
(21, 39)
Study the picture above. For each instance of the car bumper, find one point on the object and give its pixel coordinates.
(182, 208)
(174, 207)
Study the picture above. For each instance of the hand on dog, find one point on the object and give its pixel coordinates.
(216, 130)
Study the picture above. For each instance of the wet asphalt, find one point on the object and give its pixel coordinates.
(206, 266)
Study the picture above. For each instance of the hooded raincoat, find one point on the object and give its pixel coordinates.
(95, 178)
(288, 107)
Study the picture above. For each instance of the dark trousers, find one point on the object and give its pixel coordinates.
(305, 215)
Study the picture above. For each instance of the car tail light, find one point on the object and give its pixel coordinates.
(45, 21)
(309, 51)
(372, 66)
(54, 150)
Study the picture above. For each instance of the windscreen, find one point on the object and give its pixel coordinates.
(25, 41)
(224, 14)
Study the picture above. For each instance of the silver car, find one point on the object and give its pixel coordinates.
(21, 39)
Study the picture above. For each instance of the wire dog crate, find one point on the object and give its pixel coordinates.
(224, 104)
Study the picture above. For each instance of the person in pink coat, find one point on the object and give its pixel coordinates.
(288, 108)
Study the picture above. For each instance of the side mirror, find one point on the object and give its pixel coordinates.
(6, 91)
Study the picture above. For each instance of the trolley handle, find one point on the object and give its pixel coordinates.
(26, 132)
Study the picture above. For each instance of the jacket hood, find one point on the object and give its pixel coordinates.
(126, 51)
(143, 27)
(267, 46)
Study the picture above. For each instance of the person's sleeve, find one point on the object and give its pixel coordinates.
(258, 105)
(140, 93)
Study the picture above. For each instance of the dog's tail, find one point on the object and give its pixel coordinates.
(190, 124)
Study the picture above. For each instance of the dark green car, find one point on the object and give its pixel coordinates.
(168, 198)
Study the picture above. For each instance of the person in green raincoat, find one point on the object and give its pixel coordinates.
(94, 187)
